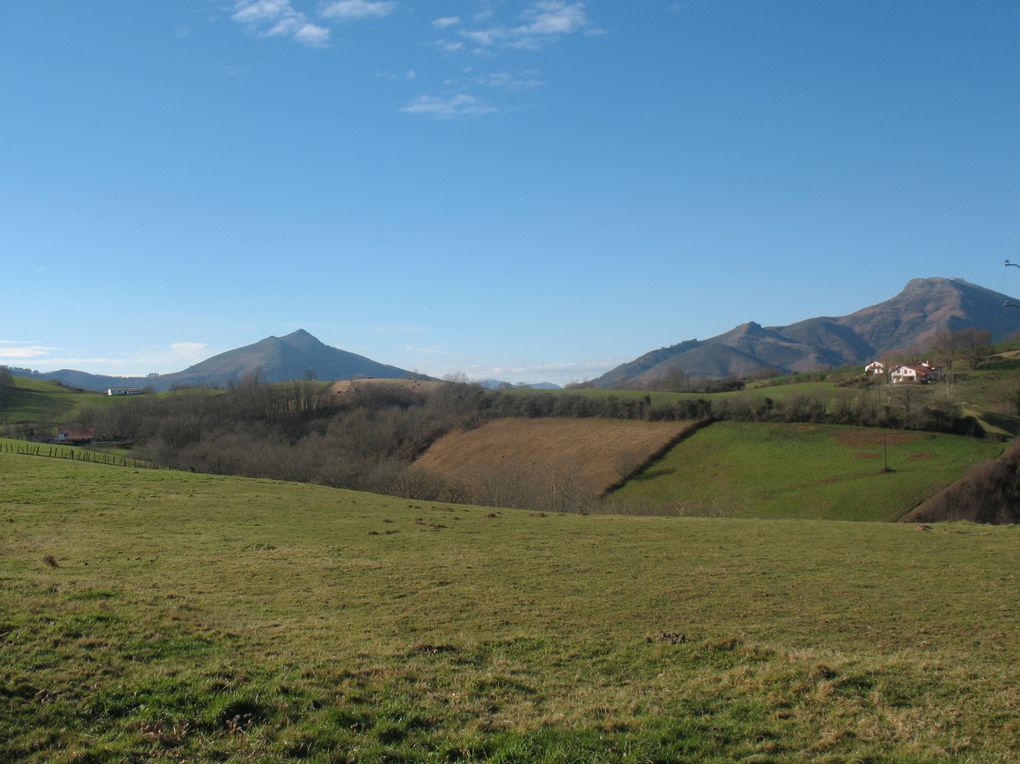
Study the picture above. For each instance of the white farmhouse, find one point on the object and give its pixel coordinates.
(918, 373)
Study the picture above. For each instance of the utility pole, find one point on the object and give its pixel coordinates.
(1009, 303)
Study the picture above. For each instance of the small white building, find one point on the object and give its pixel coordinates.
(124, 391)
(875, 369)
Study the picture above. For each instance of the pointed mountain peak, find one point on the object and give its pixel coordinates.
(748, 329)
(933, 283)
(302, 339)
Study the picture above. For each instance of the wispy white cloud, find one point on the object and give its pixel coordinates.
(449, 107)
(278, 18)
(528, 80)
(485, 36)
(553, 17)
(309, 34)
(446, 21)
(410, 74)
(260, 11)
(234, 71)
(25, 352)
(508, 81)
(355, 10)
(447, 45)
(543, 21)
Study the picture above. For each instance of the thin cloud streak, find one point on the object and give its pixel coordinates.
(356, 10)
(27, 353)
(446, 21)
(176, 357)
(449, 107)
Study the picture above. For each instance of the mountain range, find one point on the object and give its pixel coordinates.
(906, 323)
(298, 355)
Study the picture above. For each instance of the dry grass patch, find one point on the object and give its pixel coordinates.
(510, 461)
(413, 385)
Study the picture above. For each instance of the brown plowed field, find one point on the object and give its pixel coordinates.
(595, 453)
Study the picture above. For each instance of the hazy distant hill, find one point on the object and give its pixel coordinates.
(499, 384)
(275, 359)
(907, 322)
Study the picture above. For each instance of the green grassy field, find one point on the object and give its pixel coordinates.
(45, 403)
(153, 615)
(802, 470)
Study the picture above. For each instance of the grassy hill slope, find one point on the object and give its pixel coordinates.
(44, 403)
(746, 469)
(169, 616)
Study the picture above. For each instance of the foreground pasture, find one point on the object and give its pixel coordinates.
(160, 615)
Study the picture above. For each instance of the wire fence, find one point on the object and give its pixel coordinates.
(78, 454)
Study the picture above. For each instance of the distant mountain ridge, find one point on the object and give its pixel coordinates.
(907, 322)
(499, 384)
(273, 359)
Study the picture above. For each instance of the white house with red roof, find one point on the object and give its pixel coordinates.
(917, 373)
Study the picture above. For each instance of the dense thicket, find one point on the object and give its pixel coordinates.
(988, 493)
(297, 431)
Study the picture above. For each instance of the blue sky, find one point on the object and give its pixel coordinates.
(527, 189)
